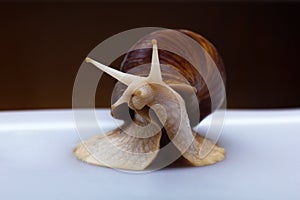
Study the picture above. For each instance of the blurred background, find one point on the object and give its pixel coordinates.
(42, 45)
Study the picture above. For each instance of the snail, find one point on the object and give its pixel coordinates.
(159, 94)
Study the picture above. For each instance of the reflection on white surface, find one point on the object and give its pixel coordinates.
(262, 162)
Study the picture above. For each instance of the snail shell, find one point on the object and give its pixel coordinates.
(176, 69)
(162, 89)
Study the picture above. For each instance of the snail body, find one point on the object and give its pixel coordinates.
(165, 93)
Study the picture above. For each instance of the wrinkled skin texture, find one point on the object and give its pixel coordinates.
(121, 150)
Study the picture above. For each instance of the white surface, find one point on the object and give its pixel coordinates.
(262, 161)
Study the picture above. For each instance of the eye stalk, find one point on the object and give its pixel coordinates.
(125, 78)
(153, 77)
(133, 82)
(155, 72)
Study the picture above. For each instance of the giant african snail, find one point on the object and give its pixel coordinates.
(164, 89)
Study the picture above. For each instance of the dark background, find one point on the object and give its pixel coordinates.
(42, 45)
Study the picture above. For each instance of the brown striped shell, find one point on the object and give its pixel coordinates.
(175, 68)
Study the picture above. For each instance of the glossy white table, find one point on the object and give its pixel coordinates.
(262, 162)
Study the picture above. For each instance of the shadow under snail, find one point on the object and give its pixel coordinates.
(159, 93)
